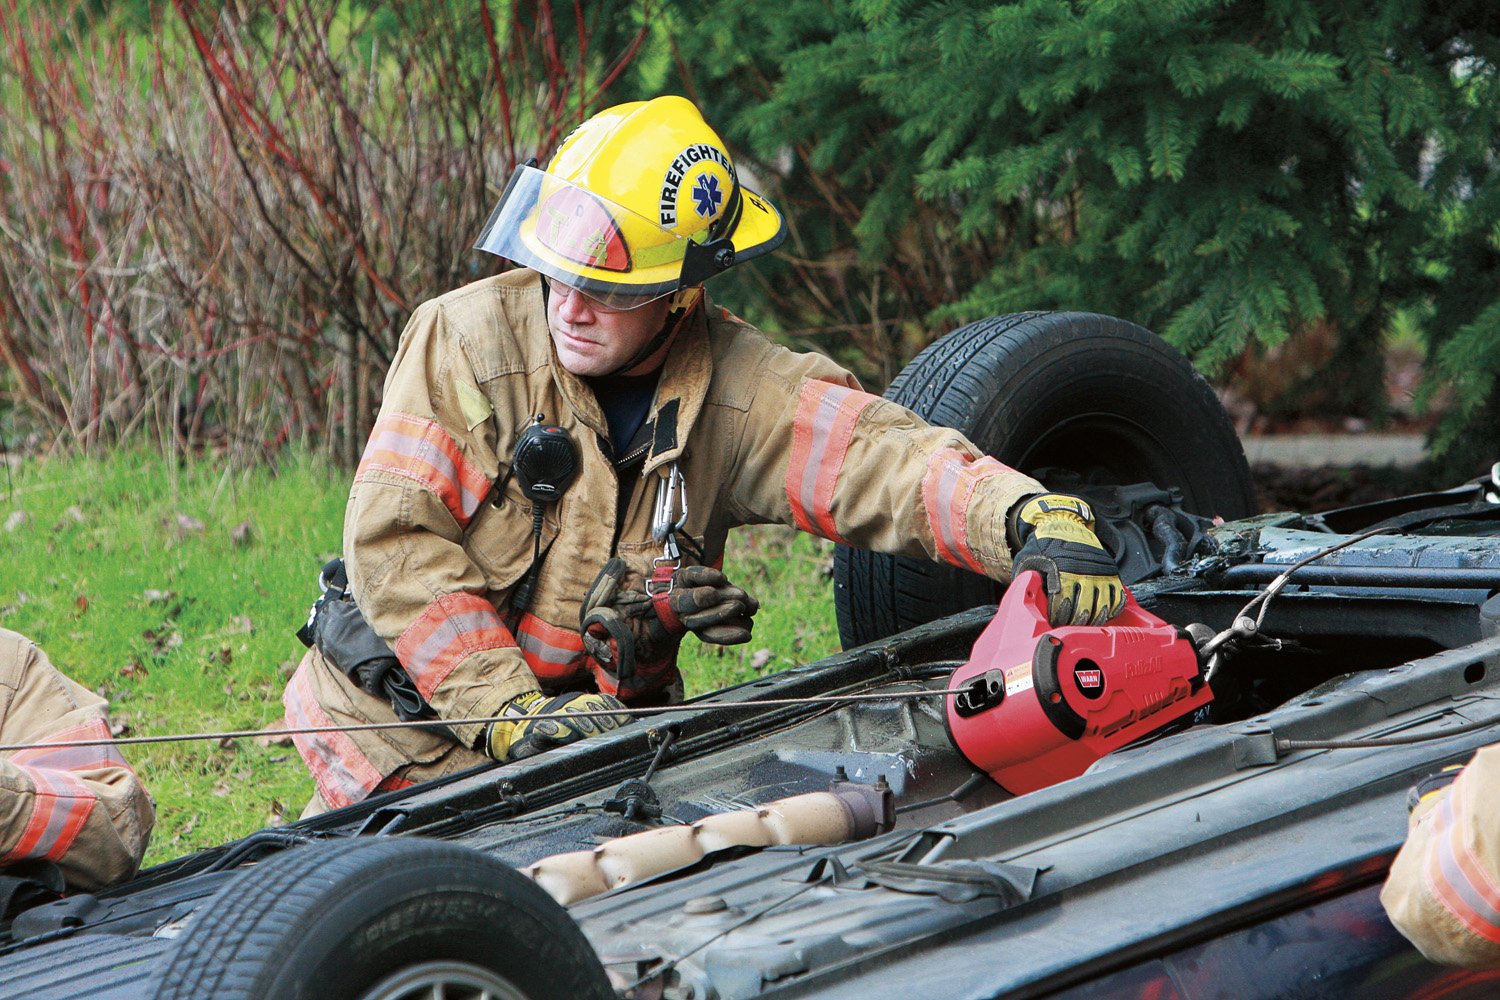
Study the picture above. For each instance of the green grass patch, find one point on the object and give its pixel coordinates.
(791, 574)
(175, 591)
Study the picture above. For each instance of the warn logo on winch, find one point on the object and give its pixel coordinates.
(1090, 681)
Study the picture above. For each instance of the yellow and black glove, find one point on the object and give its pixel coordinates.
(522, 735)
(1430, 787)
(1056, 537)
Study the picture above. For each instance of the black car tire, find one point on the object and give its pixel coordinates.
(375, 918)
(1089, 394)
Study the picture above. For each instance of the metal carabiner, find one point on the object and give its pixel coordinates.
(671, 492)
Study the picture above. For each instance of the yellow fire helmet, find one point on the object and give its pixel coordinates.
(641, 200)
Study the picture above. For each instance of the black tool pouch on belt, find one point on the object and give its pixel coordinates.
(348, 642)
(339, 630)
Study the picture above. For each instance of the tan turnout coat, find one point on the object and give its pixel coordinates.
(80, 807)
(1443, 891)
(760, 433)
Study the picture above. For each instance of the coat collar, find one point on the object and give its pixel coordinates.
(682, 390)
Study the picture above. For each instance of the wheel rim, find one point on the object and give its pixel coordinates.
(447, 979)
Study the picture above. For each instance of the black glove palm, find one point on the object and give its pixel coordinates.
(711, 607)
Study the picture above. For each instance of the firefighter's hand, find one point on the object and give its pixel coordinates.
(521, 734)
(1427, 791)
(619, 624)
(711, 607)
(1056, 532)
(700, 600)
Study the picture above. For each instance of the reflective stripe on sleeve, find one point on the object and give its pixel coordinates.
(1455, 875)
(342, 773)
(451, 628)
(421, 450)
(821, 429)
(90, 758)
(947, 487)
(60, 805)
(551, 652)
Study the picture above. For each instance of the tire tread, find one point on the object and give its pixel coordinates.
(959, 381)
(228, 950)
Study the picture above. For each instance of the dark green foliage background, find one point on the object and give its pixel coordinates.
(1223, 171)
(1231, 173)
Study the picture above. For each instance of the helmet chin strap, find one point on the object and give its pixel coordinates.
(685, 298)
(683, 302)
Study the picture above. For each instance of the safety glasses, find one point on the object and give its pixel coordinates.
(617, 303)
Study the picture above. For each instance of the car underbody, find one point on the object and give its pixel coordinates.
(1213, 856)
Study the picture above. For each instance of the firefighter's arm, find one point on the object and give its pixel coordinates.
(82, 808)
(818, 453)
(424, 474)
(1443, 891)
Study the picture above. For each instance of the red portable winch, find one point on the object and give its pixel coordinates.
(1041, 704)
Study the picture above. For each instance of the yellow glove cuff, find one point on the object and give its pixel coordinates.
(1057, 514)
(502, 734)
(1038, 507)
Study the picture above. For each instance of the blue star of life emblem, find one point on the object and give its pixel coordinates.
(706, 195)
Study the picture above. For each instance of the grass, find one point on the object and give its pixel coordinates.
(142, 580)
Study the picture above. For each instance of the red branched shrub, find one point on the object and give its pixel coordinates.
(213, 234)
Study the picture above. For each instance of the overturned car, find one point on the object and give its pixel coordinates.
(1198, 801)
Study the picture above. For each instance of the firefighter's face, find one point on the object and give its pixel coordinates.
(593, 340)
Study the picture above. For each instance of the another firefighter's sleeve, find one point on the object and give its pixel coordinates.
(80, 807)
(420, 482)
(822, 455)
(1443, 891)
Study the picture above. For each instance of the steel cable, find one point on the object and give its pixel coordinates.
(429, 723)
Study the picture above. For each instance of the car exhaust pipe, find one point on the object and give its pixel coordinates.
(847, 813)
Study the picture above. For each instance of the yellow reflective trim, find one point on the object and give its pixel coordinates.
(665, 253)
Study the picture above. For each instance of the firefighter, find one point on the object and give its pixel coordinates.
(75, 818)
(683, 420)
(1443, 891)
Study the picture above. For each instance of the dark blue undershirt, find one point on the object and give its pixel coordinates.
(625, 400)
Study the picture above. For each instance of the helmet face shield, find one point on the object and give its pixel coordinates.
(618, 258)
